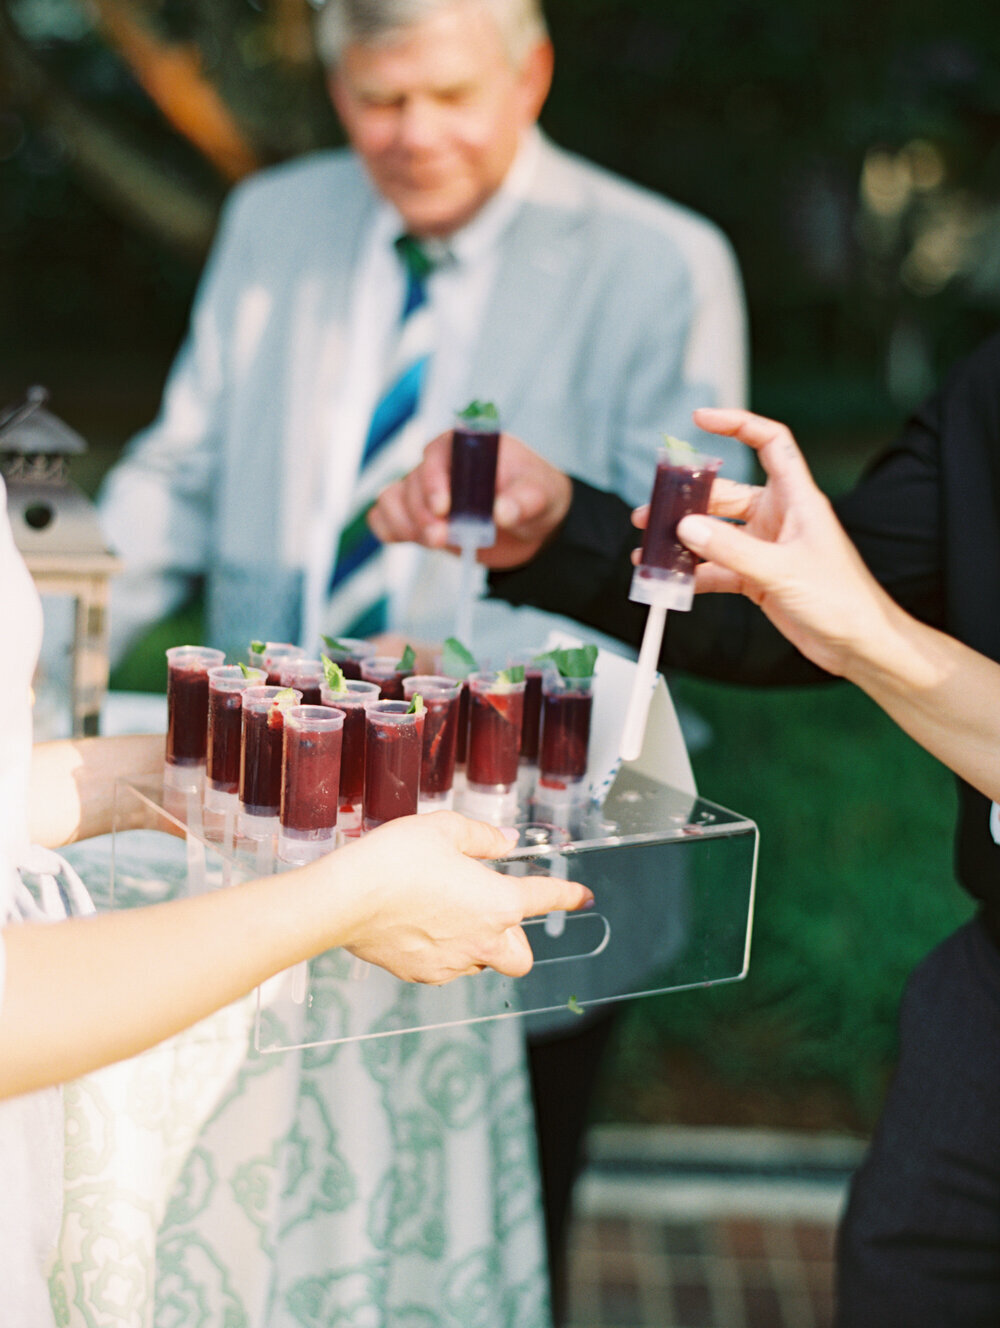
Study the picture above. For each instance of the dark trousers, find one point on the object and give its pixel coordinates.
(564, 1070)
(920, 1242)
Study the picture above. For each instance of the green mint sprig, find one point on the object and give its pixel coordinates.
(574, 1006)
(479, 412)
(576, 662)
(285, 698)
(332, 643)
(417, 706)
(257, 647)
(456, 660)
(407, 660)
(333, 675)
(679, 450)
(513, 674)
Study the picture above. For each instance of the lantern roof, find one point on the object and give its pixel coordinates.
(28, 429)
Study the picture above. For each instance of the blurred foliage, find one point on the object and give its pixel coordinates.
(851, 152)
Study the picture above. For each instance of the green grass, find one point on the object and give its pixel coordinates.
(854, 886)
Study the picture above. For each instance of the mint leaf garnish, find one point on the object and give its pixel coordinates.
(247, 672)
(679, 450)
(480, 412)
(456, 661)
(407, 660)
(333, 674)
(574, 1005)
(285, 698)
(257, 647)
(577, 662)
(513, 674)
(332, 643)
(416, 704)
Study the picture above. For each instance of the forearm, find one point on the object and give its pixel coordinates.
(942, 693)
(72, 784)
(86, 992)
(413, 897)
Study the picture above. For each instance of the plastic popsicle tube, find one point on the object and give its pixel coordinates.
(475, 442)
(664, 578)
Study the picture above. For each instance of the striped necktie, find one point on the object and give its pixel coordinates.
(358, 600)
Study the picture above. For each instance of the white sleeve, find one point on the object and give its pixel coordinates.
(156, 502)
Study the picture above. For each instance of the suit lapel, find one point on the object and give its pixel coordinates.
(542, 253)
(317, 360)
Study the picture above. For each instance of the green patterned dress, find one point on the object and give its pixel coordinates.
(381, 1183)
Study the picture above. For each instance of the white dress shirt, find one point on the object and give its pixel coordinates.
(458, 293)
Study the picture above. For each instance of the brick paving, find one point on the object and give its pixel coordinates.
(726, 1272)
(680, 1227)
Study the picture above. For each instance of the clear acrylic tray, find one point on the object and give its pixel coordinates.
(673, 876)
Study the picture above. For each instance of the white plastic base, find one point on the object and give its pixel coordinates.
(257, 827)
(666, 590)
(184, 778)
(471, 532)
(297, 848)
(437, 802)
(499, 808)
(219, 800)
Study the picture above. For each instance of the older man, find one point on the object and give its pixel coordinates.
(594, 314)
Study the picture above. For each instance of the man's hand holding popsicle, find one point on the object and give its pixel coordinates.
(532, 499)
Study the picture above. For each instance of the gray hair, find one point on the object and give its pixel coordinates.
(369, 22)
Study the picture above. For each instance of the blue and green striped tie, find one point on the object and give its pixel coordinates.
(358, 594)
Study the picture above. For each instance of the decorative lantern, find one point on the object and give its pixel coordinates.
(56, 529)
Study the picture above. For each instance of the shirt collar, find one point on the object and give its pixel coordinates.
(480, 234)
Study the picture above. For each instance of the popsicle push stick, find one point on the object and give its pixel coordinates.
(642, 685)
(466, 594)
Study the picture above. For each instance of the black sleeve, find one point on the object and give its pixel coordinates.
(585, 570)
(893, 515)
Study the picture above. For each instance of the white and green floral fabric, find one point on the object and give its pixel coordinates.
(386, 1183)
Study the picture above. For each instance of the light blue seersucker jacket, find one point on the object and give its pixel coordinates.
(615, 313)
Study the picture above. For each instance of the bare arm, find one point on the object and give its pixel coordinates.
(73, 783)
(409, 897)
(793, 559)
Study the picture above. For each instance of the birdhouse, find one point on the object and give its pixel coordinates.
(57, 531)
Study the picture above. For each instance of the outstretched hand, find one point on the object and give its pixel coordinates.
(790, 555)
(429, 912)
(532, 499)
